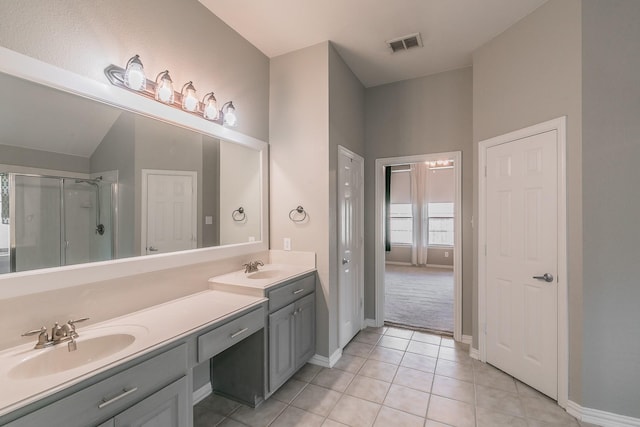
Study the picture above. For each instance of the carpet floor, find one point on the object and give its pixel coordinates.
(419, 297)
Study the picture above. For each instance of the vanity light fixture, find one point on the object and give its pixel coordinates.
(189, 98)
(164, 88)
(133, 78)
(134, 74)
(229, 115)
(210, 107)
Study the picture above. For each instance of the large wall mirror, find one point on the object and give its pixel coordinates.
(83, 181)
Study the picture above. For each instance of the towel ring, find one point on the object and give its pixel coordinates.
(239, 215)
(300, 211)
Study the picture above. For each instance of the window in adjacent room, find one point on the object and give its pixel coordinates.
(440, 224)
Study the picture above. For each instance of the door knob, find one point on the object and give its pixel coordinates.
(152, 249)
(547, 277)
(345, 261)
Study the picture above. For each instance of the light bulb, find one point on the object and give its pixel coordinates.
(164, 88)
(134, 75)
(230, 118)
(210, 108)
(189, 98)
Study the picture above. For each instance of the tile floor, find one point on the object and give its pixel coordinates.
(395, 377)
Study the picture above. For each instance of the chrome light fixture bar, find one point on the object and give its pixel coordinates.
(132, 78)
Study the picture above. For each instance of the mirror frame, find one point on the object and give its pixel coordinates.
(28, 282)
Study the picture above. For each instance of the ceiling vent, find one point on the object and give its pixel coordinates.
(405, 42)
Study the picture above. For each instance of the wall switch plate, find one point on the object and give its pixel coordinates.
(208, 220)
(287, 244)
(446, 254)
(252, 239)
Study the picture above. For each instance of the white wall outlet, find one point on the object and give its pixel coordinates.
(208, 220)
(287, 244)
(252, 239)
(446, 254)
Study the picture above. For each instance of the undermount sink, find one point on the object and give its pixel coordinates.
(52, 360)
(265, 274)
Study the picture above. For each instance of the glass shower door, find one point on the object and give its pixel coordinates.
(36, 229)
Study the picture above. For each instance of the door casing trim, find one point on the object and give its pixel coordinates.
(379, 234)
(560, 126)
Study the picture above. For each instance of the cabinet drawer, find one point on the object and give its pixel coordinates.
(286, 294)
(111, 396)
(225, 336)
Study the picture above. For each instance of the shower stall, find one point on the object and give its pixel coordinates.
(49, 221)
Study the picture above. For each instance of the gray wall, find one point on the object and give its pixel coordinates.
(420, 116)
(437, 256)
(11, 155)
(85, 37)
(529, 74)
(610, 155)
(210, 191)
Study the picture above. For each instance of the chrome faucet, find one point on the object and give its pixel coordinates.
(252, 266)
(64, 333)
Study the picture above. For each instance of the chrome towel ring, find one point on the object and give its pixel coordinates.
(297, 214)
(239, 214)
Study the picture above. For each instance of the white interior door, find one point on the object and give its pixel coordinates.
(522, 259)
(169, 211)
(350, 239)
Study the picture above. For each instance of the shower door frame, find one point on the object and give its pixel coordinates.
(12, 215)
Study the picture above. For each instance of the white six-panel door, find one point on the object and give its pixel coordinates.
(521, 248)
(350, 249)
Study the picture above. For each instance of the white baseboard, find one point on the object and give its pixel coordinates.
(326, 362)
(467, 339)
(474, 353)
(601, 418)
(202, 393)
(447, 267)
(398, 263)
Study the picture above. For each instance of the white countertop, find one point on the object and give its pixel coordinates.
(258, 282)
(154, 327)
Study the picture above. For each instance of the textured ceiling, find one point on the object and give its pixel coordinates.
(451, 30)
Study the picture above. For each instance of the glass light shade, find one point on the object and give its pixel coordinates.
(189, 98)
(230, 118)
(210, 107)
(134, 77)
(164, 88)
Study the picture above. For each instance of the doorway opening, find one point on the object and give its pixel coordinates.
(418, 242)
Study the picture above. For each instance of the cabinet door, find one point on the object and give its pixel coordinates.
(281, 348)
(168, 407)
(305, 329)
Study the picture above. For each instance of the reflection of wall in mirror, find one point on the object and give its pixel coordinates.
(239, 187)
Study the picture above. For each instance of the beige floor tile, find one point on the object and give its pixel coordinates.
(453, 389)
(368, 389)
(294, 417)
(331, 423)
(452, 412)
(354, 412)
(547, 410)
(307, 372)
(334, 379)
(350, 363)
(459, 371)
(399, 333)
(367, 337)
(393, 342)
(455, 355)
(418, 361)
(261, 416)
(423, 348)
(205, 417)
(489, 418)
(431, 423)
(318, 400)
(228, 422)
(388, 355)
(493, 399)
(538, 423)
(392, 417)
(378, 330)
(289, 390)
(359, 349)
(407, 399)
(378, 370)
(489, 376)
(412, 378)
(427, 337)
(450, 342)
(220, 405)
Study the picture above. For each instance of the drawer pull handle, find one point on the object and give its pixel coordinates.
(240, 332)
(298, 291)
(124, 393)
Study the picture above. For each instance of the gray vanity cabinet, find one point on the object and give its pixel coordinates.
(291, 329)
